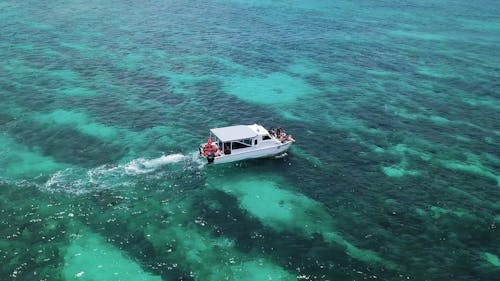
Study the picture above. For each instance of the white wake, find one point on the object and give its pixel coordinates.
(80, 180)
(142, 165)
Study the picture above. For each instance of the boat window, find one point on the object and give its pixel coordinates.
(266, 137)
(238, 145)
(255, 143)
(227, 148)
(247, 141)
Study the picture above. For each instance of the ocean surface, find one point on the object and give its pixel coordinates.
(394, 105)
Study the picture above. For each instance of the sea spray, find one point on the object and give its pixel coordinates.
(142, 165)
(80, 180)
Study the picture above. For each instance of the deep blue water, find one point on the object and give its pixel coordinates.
(395, 174)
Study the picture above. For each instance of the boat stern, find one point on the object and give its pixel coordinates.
(209, 150)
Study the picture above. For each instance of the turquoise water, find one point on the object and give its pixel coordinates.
(395, 174)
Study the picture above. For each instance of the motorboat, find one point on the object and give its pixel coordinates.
(240, 142)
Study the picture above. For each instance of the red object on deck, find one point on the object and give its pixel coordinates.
(208, 147)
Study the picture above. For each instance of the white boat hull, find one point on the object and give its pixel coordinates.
(254, 153)
(240, 142)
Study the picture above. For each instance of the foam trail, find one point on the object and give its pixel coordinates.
(195, 157)
(79, 180)
(142, 166)
(282, 155)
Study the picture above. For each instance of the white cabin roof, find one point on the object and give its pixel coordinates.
(232, 133)
(258, 129)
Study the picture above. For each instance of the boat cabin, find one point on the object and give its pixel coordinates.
(240, 138)
(242, 142)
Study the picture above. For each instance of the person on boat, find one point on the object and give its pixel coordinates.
(272, 132)
(216, 150)
(210, 147)
(281, 134)
(227, 148)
